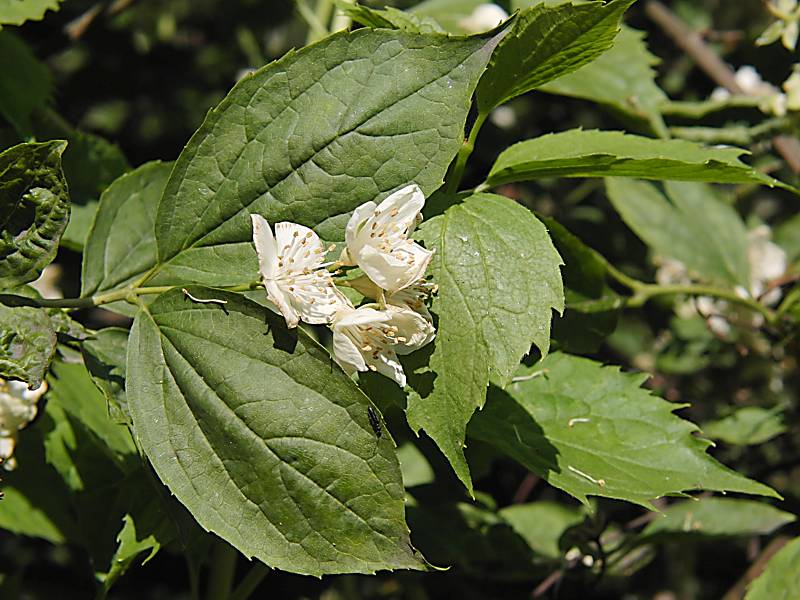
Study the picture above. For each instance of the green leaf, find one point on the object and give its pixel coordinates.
(311, 137)
(781, 578)
(16, 12)
(716, 517)
(388, 18)
(545, 43)
(787, 236)
(499, 280)
(579, 153)
(447, 13)
(592, 307)
(73, 389)
(476, 540)
(621, 78)
(542, 524)
(105, 355)
(146, 528)
(121, 244)
(34, 209)
(27, 344)
(591, 430)
(33, 502)
(747, 426)
(91, 163)
(25, 83)
(678, 227)
(415, 467)
(264, 441)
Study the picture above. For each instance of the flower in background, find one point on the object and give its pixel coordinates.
(772, 101)
(483, 18)
(792, 88)
(785, 28)
(377, 240)
(18, 407)
(292, 266)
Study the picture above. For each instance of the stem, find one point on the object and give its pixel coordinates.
(734, 135)
(317, 20)
(646, 291)
(129, 294)
(628, 282)
(791, 298)
(223, 569)
(464, 153)
(250, 582)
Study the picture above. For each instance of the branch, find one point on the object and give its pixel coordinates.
(692, 43)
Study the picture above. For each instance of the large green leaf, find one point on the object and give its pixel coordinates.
(121, 244)
(311, 137)
(27, 343)
(499, 281)
(679, 227)
(781, 578)
(546, 42)
(621, 78)
(25, 83)
(717, 517)
(16, 12)
(34, 209)
(262, 439)
(579, 153)
(591, 430)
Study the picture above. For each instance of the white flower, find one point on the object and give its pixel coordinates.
(792, 88)
(413, 297)
(377, 240)
(483, 18)
(17, 408)
(365, 338)
(291, 266)
(767, 263)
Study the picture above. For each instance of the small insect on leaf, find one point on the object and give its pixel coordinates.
(374, 422)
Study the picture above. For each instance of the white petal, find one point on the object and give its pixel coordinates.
(265, 247)
(388, 365)
(279, 299)
(390, 271)
(316, 303)
(347, 354)
(412, 327)
(360, 316)
(7, 447)
(298, 246)
(355, 226)
(408, 203)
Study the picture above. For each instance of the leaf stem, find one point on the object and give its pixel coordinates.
(643, 292)
(128, 294)
(790, 300)
(223, 570)
(250, 582)
(454, 177)
(647, 291)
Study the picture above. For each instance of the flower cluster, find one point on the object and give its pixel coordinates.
(298, 281)
(18, 407)
(768, 263)
(771, 100)
(786, 26)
